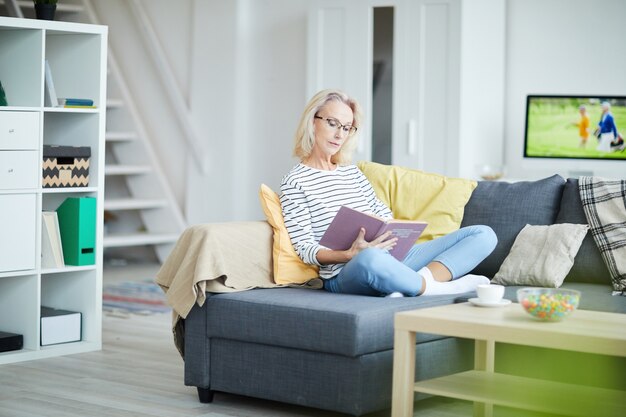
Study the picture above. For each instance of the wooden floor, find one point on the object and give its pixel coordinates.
(140, 373)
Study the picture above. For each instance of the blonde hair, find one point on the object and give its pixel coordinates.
(305, 133)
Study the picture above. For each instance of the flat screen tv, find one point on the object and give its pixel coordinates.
(555, 127)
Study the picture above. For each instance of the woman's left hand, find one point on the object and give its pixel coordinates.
(384, 242)
(381, 242)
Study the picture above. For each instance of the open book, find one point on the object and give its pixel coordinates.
(345, 227)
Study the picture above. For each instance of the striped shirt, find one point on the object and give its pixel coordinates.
(310, 198)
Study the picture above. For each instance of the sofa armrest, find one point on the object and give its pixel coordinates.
(197, 348)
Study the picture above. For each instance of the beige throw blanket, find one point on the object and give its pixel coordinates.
(216, 257)
(604, 203)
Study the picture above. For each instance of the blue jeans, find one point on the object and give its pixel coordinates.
(375, 272)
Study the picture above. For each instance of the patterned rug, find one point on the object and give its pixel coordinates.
(143, 297)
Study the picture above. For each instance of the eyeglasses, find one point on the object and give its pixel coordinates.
(334, 124)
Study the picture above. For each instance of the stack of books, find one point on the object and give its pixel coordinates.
(83, 103)
(52, 100)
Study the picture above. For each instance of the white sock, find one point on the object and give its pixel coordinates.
(394, 294)
(466, 283)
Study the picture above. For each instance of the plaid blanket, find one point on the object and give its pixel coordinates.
(604, 203)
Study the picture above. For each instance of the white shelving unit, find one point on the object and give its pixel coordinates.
(77, 54)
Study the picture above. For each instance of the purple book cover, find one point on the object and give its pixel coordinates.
(344, 229)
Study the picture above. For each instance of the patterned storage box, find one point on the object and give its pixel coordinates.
(66, 166)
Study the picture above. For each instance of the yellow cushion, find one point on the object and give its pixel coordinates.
(287, 266)
(416, 195)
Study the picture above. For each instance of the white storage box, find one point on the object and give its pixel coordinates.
(59, 326)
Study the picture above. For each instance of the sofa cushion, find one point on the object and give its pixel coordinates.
(588, 264)
(315, 320)
(541, 255)
(416, 195)
(287, 267)
(507, 208)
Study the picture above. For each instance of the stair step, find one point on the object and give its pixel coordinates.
(67, 8)
(120, 136)
(114, 103)
(133, 204)
(139, 239)
(127, 169)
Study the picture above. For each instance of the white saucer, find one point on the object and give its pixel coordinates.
(501, 303)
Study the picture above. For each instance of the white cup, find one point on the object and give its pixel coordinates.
(490, 293)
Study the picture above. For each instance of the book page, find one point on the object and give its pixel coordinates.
(407, 233)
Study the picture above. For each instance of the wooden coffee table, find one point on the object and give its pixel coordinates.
(583, 331)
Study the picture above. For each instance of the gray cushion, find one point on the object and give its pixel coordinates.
(316, 320)
(541, 255)
(507, 208)
(588, 264)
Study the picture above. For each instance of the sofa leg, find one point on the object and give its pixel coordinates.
(205, 395)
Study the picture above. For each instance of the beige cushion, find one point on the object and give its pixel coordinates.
(287, 266)
(541, 256)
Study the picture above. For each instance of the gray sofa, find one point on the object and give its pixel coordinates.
(334, 352)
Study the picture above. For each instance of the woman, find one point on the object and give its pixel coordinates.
(314, 190)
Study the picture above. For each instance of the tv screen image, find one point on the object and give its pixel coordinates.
(556, 127)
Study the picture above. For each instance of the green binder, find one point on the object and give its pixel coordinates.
(77, 223)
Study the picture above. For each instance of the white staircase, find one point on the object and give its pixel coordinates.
(141, 212)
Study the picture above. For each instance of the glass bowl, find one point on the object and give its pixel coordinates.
(548, 304)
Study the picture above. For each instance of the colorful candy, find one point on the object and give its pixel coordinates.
(548, 304)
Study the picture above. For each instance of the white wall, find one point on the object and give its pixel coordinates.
(275, 93)
(561, 47)
(241, 66)
(482, 85)
(248, 91)
(216, 70)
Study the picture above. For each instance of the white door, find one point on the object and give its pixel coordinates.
(423, 106)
